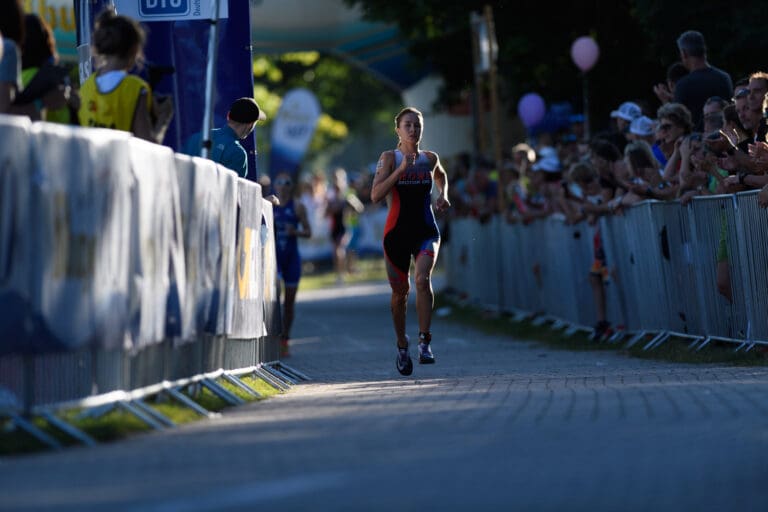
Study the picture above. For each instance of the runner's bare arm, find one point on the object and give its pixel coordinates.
(441, 180)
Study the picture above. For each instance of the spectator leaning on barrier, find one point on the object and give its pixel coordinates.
(646, 179)
(12, 30)
(113, 98)
(703, 79)
(674, 124)
(596, 199)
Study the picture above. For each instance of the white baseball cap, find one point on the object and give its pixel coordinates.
(643, 126)
(628, 111)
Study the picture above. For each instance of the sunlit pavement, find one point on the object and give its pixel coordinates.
(494, 425)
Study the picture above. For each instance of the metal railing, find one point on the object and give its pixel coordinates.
(663, 262)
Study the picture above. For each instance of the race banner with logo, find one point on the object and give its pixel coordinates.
(177, 55)
(247, 314)
(292, 131)
(170, 10)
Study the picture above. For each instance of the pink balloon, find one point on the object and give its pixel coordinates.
(531, 109)
(584, 52)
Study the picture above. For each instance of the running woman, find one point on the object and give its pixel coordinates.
(405, 177)
(290, 223)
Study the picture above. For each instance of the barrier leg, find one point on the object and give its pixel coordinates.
(149, 420)
(656, 341)
(185, 400)
(704, 343)
(149, 411)
(73, 432)
(269, 379)
(222, 393)
(290, 370)
(280, 378)
(35, 432)
(241, 385)
(637, 337)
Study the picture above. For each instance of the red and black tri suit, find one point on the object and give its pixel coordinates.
(411, 228)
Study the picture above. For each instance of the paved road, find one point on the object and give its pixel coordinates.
(494, 425)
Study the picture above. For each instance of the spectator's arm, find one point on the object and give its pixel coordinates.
(670, 170)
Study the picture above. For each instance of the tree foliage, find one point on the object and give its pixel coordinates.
(351, 101)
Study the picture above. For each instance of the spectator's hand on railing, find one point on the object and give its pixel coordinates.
(723, 143)
(762, 197)
(731, 185)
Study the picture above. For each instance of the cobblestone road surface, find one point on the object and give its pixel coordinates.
(494, 425)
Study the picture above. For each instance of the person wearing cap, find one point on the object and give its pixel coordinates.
(623, 116)
(226, 149)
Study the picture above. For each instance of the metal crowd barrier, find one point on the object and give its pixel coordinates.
(126, 271)
(663, 262)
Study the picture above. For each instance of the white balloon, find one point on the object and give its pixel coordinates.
(584, 52)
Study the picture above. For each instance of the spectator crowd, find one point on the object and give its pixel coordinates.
(707, 136)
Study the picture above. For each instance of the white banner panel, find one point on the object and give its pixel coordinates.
(152, 166)
(248, 310)
(227, 189)
(272, 319)
(80, 221)
(15, 177)
(200, 202)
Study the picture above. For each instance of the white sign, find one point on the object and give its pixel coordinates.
(171, 10)
(294, 126)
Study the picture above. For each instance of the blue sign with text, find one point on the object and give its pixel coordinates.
(163, 8)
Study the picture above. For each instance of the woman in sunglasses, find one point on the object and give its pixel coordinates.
(290, 223)
(405, 177)
(675, 123)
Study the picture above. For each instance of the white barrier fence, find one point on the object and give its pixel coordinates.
(123, 265)
(663, 262)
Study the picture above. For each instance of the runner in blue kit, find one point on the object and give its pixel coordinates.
(405, 177)
(290, 223)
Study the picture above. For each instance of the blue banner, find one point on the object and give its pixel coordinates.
(177, 55)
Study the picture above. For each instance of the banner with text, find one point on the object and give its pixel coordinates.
(247, 315)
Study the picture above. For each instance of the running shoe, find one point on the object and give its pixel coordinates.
(425, 354)
(403, 362)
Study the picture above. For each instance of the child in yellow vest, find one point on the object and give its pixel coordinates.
(113, 98)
